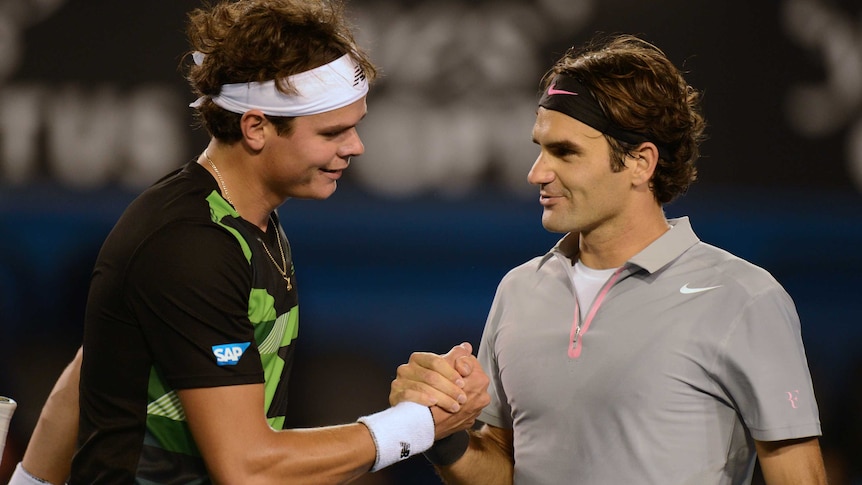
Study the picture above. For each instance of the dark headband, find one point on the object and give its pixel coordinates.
(568, 96)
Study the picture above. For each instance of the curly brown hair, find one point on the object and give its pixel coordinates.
(641, 90)
(261, 40)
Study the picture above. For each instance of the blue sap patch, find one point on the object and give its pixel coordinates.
(229, 354)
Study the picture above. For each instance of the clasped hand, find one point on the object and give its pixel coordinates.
(453, 385)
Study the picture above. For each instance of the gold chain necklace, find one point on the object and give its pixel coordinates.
(281, 269)
(221, 180)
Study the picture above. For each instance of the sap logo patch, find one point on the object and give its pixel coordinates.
(229, 354)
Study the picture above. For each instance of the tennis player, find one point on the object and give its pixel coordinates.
(631, 352)
(192, 315)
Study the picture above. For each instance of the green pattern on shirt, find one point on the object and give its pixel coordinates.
(166, 421)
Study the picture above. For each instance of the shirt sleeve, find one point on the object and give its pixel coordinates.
(765, 372)
(188, 287)
(498, 412)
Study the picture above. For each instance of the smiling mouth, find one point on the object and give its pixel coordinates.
(548, 200)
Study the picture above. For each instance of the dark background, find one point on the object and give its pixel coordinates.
(407, 254)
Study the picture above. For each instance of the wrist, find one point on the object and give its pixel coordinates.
(399, 432)
(23, 477)
(448, 450)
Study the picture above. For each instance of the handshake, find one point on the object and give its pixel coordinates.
(453, 385)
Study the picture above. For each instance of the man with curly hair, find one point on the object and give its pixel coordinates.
(192, 315)
(631, 352)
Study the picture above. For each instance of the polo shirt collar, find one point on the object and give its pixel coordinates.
(668, 247)
(660, 252)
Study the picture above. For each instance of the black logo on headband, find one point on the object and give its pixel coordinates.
(358, 76)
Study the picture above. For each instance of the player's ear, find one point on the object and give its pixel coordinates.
(645, 158)
(253, 123)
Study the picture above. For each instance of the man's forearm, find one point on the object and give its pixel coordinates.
(52, 444)
(487, 461)
(791, 462)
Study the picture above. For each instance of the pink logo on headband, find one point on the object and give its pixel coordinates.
(552, 91)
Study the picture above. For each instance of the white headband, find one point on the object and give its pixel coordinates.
(325, 88)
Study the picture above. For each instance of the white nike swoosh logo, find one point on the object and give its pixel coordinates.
(685, 290)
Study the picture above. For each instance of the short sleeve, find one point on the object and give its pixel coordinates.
(497, 413)
(764, 369)
(188, 287)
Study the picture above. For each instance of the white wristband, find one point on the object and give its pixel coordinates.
(7, 409)
(400, 432)
(23, 477)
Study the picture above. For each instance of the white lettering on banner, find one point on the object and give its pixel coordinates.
(449, 149)
(10, 49)
(20, 117)
(819, 110)
(90, 137)
(15, 17)
(457, 102)
(158, 140)
(457, 77)
(453, 110)
(82, 135)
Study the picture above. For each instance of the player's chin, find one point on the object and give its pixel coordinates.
(324, 191)
(553, 224)
(316, 192)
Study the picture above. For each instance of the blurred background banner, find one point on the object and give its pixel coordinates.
(407, 254)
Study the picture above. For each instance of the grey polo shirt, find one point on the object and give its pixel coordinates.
(692, 355)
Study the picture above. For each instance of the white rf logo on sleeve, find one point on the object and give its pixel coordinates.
(229, 354)
(686, 290)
